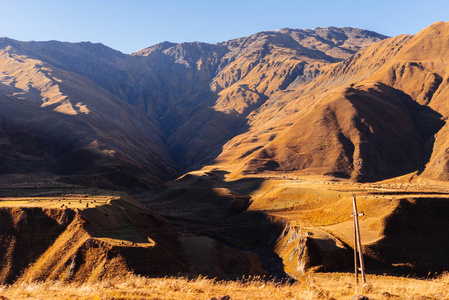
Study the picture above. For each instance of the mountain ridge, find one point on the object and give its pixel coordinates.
(176, 84)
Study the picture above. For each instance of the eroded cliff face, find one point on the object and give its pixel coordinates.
(65, 244)
(305, 249)
(26, 234)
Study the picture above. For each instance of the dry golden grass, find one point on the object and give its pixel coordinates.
(313, 286)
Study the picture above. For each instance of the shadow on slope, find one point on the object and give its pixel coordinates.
(415, 236)
(25, 234)
(35, 139)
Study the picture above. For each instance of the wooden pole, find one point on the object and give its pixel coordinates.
(356, 267)
(359, 242)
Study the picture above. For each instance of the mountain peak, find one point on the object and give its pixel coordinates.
(158, 48)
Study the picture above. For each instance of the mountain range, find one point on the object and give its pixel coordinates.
(373, 105)
(100, 117)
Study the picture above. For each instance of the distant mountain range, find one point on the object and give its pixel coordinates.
(344, 102)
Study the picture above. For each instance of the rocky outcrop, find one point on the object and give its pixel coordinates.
(68, 244)
(304, 249)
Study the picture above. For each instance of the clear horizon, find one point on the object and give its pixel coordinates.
(137, 24)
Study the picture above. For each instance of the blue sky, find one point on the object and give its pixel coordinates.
(132, 25)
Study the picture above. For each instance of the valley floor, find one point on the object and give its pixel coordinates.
(313, 286)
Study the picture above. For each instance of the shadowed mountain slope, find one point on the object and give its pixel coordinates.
(54, 120)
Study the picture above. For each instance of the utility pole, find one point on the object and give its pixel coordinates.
(356, 266)
(357, 243)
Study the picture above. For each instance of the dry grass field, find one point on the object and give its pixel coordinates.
(312, 286)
